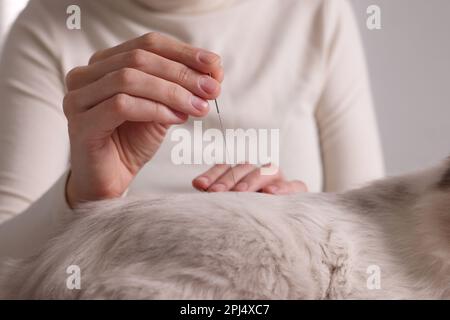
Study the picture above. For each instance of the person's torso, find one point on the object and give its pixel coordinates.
(273, 77)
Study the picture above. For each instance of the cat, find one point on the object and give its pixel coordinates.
(387, 240)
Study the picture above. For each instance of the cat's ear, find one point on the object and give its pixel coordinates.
(444, 183)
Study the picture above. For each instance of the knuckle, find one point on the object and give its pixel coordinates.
(150, 40)
(95, 57)
(72, 76)
(67, 104)
(125, 77)
(67, 100)
(173, 93)
(183, 74)
(137, 58)
(120, 103)
(186, 50)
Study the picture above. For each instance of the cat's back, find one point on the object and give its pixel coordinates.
(236, 245)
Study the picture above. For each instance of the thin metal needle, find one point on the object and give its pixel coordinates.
(224, 138)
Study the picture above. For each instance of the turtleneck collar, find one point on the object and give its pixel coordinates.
(185, 6)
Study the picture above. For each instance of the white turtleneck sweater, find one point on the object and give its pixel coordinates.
(293, 65)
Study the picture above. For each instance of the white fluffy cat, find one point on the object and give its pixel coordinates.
(254, 246)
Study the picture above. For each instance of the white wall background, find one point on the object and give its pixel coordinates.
(409, 62)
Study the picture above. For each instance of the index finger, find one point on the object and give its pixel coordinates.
(201, 60)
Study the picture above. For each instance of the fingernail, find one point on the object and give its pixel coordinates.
(241, 187)
(208, 85)
(272, 189)
(202, 181)
(199, 103)
(207, 57)
(218, 188)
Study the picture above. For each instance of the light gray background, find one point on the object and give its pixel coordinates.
(409, 63)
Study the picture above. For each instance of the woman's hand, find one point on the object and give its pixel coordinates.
(121, 104)
(248, 178)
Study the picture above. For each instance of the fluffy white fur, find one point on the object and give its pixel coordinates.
(252, 246)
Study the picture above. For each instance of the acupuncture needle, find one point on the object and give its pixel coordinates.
(224, 137)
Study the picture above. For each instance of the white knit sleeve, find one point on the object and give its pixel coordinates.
(34, 143)
(351, 151)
